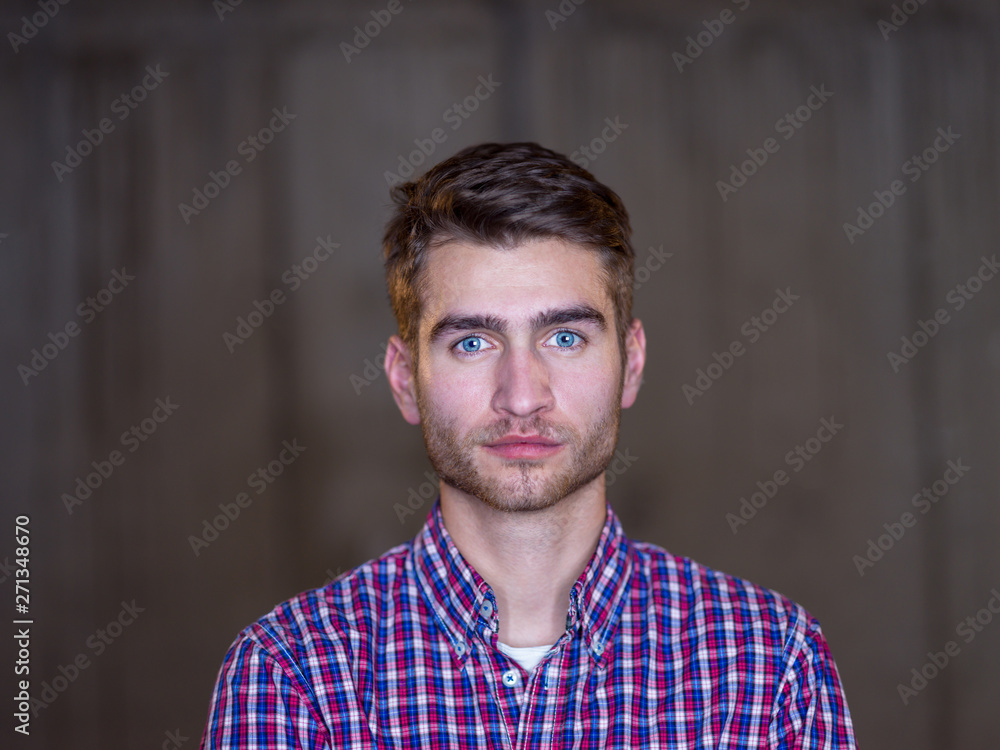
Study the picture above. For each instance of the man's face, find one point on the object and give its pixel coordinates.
(519, 383)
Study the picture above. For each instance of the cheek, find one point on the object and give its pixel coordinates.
(457, 396)
(583, 390)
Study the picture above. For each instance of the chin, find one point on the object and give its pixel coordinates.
(526, 491)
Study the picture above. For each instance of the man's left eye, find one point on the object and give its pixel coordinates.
(566, 339)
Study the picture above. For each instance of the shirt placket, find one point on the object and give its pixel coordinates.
(506, 684)
(534, 691)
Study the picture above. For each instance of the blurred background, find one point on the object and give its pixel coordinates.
(191, 208)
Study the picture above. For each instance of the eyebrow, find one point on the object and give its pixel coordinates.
(557, 316)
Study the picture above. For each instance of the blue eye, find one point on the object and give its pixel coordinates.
(566, 339)
(471, 344)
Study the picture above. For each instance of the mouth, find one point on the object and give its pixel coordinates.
(523, 447)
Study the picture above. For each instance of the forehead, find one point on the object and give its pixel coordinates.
(513, 283)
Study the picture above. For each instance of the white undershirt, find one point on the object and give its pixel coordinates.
(527, 656)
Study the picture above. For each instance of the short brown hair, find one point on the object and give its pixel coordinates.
(502, 195)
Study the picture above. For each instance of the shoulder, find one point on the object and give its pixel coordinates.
(306, 664)
(745, 640)
(689, 594)
(331, 623)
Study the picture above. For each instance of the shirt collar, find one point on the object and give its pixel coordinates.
(465, 604)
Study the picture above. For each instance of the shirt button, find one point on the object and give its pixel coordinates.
(511, 678)
(486, 609)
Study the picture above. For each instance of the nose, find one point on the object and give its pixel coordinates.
(522, 387)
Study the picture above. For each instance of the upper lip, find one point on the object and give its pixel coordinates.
(533, 439)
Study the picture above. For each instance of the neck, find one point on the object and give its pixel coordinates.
(530, 559)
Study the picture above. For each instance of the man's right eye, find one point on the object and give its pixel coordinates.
(471, 344)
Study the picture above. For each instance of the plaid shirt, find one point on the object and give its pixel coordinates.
(658, 651)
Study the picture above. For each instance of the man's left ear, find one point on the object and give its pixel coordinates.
(635, 360)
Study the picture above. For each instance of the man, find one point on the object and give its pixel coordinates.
(521, 616)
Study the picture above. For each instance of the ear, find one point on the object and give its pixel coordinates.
(402, 378)
(635, 361)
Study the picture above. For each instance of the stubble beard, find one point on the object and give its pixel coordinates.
(519, 485)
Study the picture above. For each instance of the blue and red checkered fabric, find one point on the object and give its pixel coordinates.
(658, 652)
